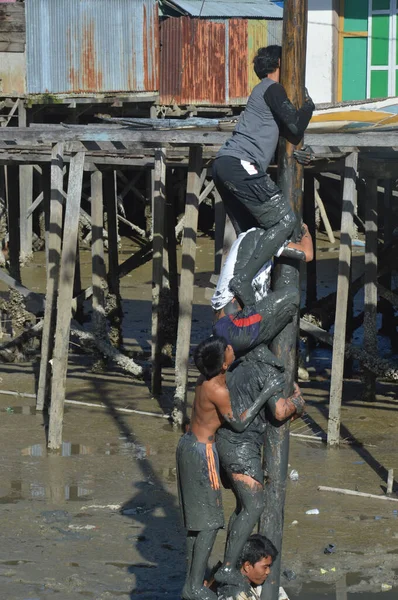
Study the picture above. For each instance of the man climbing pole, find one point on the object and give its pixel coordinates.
(250, 196)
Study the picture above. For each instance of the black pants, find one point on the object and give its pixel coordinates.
(252, 200)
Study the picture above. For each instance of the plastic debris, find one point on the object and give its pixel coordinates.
(386, 587)
(9, 409)
(294, 522)
(312, 511)
(323, 571)
(330, 548)
(290, 575)
(377, 518)
(294, 475)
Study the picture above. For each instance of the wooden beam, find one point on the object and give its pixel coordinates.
(65, 294)
(187, 282)
(158, 211)
(53, 251)
(370, 316)
(219, 228)
(347, 224)
(97, 253)
(25, 197)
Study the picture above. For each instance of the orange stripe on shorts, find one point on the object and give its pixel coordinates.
(211, 466)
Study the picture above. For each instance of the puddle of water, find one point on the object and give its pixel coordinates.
(122, 448)
(19, 410)
(14, 562)
(70, 492)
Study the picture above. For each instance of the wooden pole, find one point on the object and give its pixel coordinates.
(309, 219)
(109, 186)
(370, 314)
(158, 215)
(65, 295)
(276, 441)
(13, 221)
(46, 188)
(25, 196)
(343, 284)
(388, 327)
(97, 254)
(53, 250)
(187, 282)
(219, 228)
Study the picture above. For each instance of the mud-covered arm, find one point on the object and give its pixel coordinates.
(295, 120)
(283, 408)
(240, 422)
(301, 250)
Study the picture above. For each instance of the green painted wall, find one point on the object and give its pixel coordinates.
(379, 84)
(355, 15)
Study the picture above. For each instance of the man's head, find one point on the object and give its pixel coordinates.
(267, 61)
(256, 559)
(213, 356)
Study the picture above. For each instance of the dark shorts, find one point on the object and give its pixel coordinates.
(242, 457)
(199, 486)
(241, 330)
(250, 200)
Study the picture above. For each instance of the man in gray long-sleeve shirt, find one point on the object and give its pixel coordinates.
(250, 196)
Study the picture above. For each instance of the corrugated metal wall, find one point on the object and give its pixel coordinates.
(208, 61)
(76, 46)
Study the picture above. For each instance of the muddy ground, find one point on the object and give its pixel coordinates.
(101, 520)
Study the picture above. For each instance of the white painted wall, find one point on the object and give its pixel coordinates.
(319, 68)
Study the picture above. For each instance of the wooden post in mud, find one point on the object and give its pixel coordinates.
(64, 303)
(309, 219)
(186, 282)
(109, 187)
(370, 315)
(389, 327)
(158, 221)
(25, 196)
(286, 272)
(13, 221)
(219, 228)
(97, 254)
(343, 286)
(53, 251)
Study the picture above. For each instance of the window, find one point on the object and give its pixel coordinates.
(382, 79)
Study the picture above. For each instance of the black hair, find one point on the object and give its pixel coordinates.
(209, 356)
(256, 548)
(267, 60)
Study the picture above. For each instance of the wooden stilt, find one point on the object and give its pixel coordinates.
(97, 252)
(323, 213)
(109, 186)
(13, 221)
(187, 282)
(25, 197)
(158, 212)
(347, 223)
(53, 250)
(62, 331)
(219, 228)
(370, 316)
(388, 326)
(46, 190)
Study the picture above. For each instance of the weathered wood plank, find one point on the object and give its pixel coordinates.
(370, 316)
(53, 252)
(347, 224)
(97, 253)
(187, 282)
(158, 212)
(12, 27)
(63, 322)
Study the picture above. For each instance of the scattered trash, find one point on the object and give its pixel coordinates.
(358, 243)
(358, 462)
(330, 548)
(290, 575)
(323, 571)
(333, 569)
(110, 506)
(9, 409)
(378, 518)
(294, 522)
(79, 527)
(138, 510)
(55, 516)
(386, 587)
(294, 475)
(312, 511)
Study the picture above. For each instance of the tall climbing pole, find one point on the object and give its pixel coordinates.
(286, 272)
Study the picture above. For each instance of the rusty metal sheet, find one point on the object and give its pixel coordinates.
(192, 61)
(238, 88)
(92, 46)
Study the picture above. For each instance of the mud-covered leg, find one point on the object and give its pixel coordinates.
(250, 495)
(276, 309)
(269, 243)
(198, 556)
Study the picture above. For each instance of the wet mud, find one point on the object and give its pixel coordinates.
(100, 519)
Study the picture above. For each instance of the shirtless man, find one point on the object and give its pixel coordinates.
(248, 326)
(197, 458)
